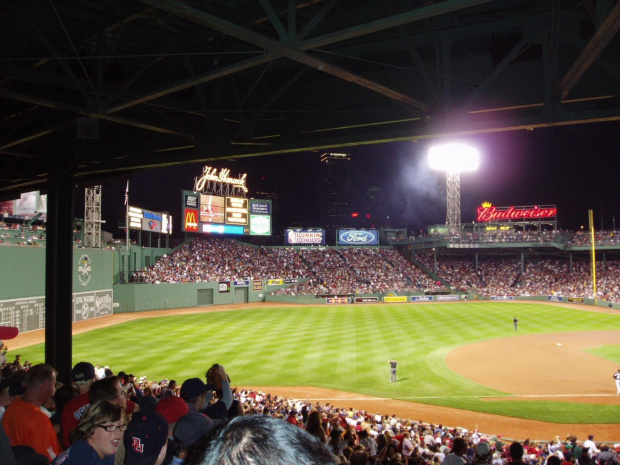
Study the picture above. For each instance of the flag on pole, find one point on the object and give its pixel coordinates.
(127, 193)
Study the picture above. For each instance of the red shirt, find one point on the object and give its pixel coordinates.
(71, 414)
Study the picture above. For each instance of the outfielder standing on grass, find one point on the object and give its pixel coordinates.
(515, 321)
(393, 364)
(616, 376)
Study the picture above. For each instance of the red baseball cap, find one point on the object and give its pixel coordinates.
(8, 332)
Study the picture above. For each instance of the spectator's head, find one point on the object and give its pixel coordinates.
(40, 384)
(146, 439)
(108, 389)
(483, 451)
(459, 447)
(554, 460)
(359, 457)
(516, 451)
(194, 391)
(262, 440)
(190, 428)
(102, 426)
(83, 375)
(172, 408)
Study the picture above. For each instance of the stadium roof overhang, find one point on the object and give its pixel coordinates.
(99, 90)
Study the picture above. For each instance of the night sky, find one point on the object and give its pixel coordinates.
(574, 167)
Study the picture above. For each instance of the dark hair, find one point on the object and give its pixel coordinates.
(459, 446)
(104, 389)
(516, 450)
(261, 440)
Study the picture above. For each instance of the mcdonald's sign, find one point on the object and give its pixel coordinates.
(191, 220)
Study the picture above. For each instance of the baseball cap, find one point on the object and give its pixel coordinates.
(190, 428)
(193, 387)
(8, 332)
(83, 371)
(145, 436)
(172, 408)
(147, 403)
(483, 448)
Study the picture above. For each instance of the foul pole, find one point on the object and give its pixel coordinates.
(592, 253)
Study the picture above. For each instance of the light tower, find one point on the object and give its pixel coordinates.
(453, 159)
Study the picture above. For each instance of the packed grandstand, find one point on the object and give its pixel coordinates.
(377, 270)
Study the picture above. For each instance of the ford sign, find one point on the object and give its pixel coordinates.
(354, 237)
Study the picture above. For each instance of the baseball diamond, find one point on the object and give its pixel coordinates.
(538, 384)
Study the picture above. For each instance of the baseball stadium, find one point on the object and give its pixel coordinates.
(294, 296)
(499, 329)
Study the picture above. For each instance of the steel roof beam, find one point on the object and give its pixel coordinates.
(593, 49)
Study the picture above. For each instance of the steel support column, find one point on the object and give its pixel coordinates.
(59, 273)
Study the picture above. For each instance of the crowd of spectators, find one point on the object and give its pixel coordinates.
(327, 270)
(497, 276)
(216, 259)
(16, 234)
(210, 422)
(601, 238)
(377, 270)
(503, 236)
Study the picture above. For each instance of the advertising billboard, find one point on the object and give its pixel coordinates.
(358, 237)
(488, 212)
(219, 214)
(29, 205)
(146, 220)
(299, 236)
(260, 225)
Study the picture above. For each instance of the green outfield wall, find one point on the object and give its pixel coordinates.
(23, 271)
(141, 297)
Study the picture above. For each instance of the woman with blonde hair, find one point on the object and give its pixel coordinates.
(97, 436)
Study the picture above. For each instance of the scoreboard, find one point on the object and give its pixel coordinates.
(216, 214)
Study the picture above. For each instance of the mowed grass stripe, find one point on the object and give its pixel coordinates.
(344, 347)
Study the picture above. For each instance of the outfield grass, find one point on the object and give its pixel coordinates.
(345, 348)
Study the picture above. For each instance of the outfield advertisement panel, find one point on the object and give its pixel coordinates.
(146, 220)
(421, 298)
(260, 225)
(393, 299)
(358, 237)
(298, 236)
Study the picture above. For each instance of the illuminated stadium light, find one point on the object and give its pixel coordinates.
(453, 158)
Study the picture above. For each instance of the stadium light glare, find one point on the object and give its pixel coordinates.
(453, 157)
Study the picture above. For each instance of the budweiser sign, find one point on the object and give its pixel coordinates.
(487, 212)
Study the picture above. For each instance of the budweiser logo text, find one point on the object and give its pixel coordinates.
(488, 212)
